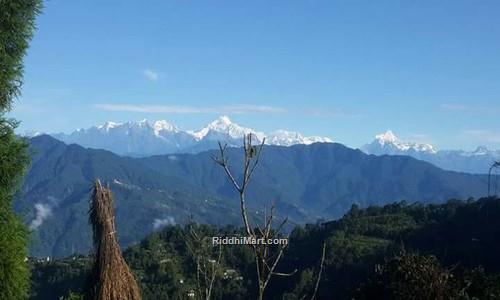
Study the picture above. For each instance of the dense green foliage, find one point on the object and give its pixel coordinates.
(456, 232)
(17, 22)
(16, 28)
(306, 183)
(398, 251)
(14, 274)
(13, 233)
(416, 277)
(64, 276)
(162, 263)
(13, 162)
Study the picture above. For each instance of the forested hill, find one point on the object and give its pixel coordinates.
(323, 180)
(306, 183)
(55, 198)
(398, 251)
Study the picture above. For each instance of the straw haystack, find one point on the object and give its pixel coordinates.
(111, 278)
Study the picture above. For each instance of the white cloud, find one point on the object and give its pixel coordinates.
(151, 75)
(245, 108)
(223, 109)
(329, 113)
(183, 109)
(42, 212)
(159, 223)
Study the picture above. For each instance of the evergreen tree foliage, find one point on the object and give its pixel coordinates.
(16, 28)
(14, 274)
(17, 23)
(398, 251)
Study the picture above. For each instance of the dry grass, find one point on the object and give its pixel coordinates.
(111, 278)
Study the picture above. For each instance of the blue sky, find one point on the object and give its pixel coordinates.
(428, 70)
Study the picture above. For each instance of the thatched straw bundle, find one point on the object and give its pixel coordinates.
(111, 278)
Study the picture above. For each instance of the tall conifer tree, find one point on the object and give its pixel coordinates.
(17, 23)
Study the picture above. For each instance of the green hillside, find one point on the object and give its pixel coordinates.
(324, 180)
(373, 253)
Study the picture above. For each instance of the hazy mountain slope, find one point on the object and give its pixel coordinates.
(477, 161)
(131, 138)
(323, 180)
(55, 197)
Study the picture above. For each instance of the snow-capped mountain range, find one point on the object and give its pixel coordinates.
(144, 138)
(161, 137)
(477, 161)
(388, 143)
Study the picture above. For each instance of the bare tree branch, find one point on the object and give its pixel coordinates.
(223, 161)
(263, 253)
(319, 273)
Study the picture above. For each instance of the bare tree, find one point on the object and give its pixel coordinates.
(206, 259)
(266, 257)
(318, 279)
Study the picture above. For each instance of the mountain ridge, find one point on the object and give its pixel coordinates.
(477, 161)
(303, 182)
(142, 139)
(161, 137)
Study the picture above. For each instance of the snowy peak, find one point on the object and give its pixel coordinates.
(481, 150)
(476, 161)
(164, 126)
(143, 138)
(288, 138)
(142, 124)
(387, 137)
(389, 143)
(157, 127)
(224, 126)
(223, 121)
(108, 125)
